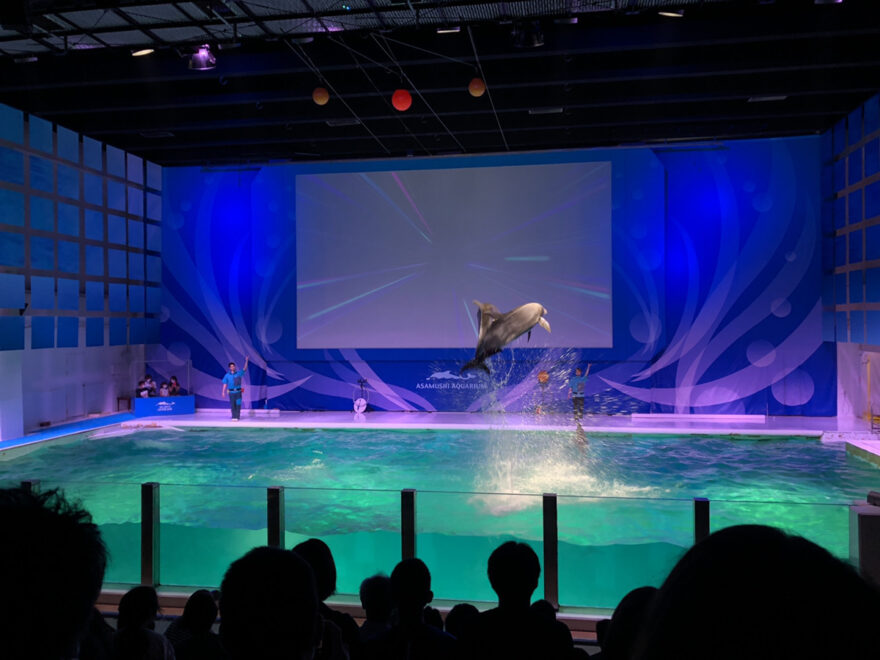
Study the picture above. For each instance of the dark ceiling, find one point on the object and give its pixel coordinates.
(612, 72)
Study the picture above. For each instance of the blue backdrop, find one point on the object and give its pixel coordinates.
(716, 281)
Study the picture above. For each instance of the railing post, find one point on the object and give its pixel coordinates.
(408, 523)
(864, 538)
(275, 516)
(150, 533)
(31, 485)
(551, 550)
(701, 518)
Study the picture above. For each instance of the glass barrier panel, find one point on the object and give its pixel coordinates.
(203, 529)
(361, 528)
(609, 546)
(456, 533)
(824, 524)
(116, 510)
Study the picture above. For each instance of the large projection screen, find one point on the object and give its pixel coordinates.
(395, 259)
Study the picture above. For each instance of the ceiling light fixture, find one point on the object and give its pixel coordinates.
(766, 97)
(554, 110)
(142, 52)
(203, 59)
(528, 35)
(672, 13)
(448, 30)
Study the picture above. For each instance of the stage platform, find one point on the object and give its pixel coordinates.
(828, 428)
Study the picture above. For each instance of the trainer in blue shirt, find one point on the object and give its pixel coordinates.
(232, 385)
(577, 384)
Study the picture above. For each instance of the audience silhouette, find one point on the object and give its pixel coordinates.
(97, 642)
(135, 638)
(317, 554)
(191, 634)
(52, 562)
(629, 617)
(745, 591)
(269, 607)
(411, 638)
(754, 591)
(513, 631)
(375, 593)
(460, 618)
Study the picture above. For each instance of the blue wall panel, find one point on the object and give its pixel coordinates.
(716, 306)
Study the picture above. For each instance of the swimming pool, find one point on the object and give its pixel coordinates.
(625, 509)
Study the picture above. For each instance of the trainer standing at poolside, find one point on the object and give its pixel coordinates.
(576, 389)
(233, 386)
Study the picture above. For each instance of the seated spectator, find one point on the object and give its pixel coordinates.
(52, 564)
(150, 384)
(755, 592)
(461, 617)
(163, 389)
(628, 619)
(142, 389)
(135, 638)
(269, 607)
(544, 610)
(317, 554)
(512, 631)
(173, 387)
(375, 596)
(190, 634)
(97, 642)
(411, 638)
(432, 616)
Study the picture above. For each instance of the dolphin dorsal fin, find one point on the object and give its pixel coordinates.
(488, 314)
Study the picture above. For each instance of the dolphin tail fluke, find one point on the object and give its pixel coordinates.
(475, 364)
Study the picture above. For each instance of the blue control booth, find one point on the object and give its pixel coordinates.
(164, 405)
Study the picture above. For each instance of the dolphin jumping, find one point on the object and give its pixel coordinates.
(497, 329)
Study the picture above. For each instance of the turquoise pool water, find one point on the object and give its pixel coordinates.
(625, 511)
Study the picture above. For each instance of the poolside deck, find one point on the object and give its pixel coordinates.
(753, 425)
(856, 433)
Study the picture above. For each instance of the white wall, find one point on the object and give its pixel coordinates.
(64, 383)
(852, 381)
(10, 395)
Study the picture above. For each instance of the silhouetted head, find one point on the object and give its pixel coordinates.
(200, 612)
(629, 618)
(269, 607)
(544, 610)
(514, 570)
(52, 564)
(318, 555)
(757, 585)
(174, 380)
(376, 600)
(138, 608)
(460, 618)
(411, 586)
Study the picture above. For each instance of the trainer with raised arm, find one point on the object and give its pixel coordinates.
(233, 386)
(576, 389)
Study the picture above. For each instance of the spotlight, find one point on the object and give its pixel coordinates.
(528, 35)
(449, 29)
(672, 13)
(142, 52)
(203, 59)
